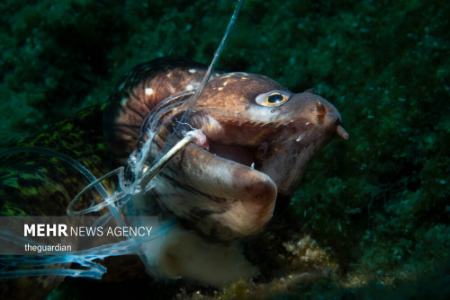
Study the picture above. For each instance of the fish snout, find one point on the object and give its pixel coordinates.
(331, 117)
(322, 114)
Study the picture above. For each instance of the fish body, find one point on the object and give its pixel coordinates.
(259, 138)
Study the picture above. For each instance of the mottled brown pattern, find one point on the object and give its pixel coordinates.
(131, 104)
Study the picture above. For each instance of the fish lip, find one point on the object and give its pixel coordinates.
(233, 165)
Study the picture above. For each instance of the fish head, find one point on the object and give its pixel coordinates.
(252, 120)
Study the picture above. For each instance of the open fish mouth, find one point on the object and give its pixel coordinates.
(281, 156)
(250, 156)
(244, 155)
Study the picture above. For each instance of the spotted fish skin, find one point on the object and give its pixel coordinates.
(139, 92)
(257, 147)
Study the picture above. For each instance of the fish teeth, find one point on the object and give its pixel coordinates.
(300, 137)
(252, 165)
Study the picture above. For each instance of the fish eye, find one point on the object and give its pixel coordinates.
(272, 98)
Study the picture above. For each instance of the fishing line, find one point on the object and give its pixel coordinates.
(87, 259)
(67, 159)
(218, 52)
(128, 189)
(190, 102)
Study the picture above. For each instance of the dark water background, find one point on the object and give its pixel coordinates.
(379, 202)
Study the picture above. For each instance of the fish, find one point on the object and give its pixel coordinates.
(256, 140)
(259, 138)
